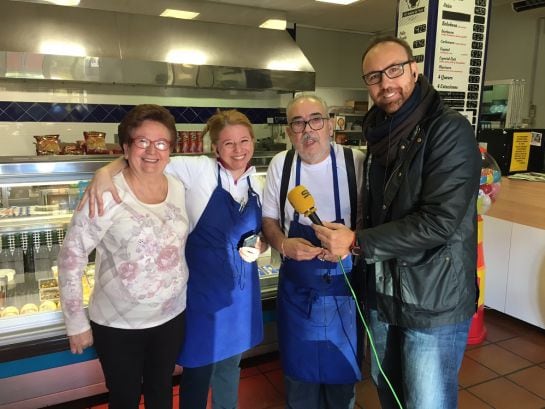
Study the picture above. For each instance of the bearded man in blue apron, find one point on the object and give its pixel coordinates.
(317, 324)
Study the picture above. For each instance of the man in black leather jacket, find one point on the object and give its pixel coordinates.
(418, 245)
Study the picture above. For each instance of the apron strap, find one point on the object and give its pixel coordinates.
(286, 173)
(352, 187)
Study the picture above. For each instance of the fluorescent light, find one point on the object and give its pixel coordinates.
(62, 48)
(64, 2)
(186, 15)
(274, 24)
(186, 57)
(285, 65)
(343, 2)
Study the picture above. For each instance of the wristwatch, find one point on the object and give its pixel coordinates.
(355, 247)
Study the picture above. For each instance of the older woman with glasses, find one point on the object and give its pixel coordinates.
(137, 306)
(223, 316)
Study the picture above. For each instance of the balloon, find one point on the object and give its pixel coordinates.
(489, 184)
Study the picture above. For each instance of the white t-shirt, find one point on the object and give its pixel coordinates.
(141, 272)
(199, 174)
(318, 179)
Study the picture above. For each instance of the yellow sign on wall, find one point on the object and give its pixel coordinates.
(520, 154)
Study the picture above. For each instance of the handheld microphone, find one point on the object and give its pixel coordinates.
(303, 202)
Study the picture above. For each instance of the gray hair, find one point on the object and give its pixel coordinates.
(310, 97)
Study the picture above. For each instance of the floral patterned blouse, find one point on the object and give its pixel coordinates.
(140, 273)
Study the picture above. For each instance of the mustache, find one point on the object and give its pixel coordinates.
(308, 137)
(387, 91)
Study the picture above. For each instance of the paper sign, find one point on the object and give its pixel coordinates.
(536, 139)
(520, 153)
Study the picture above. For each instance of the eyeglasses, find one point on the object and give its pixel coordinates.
(315, 124)
(144, 143)
(393, 71)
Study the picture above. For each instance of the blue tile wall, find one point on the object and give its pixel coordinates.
(107, 113)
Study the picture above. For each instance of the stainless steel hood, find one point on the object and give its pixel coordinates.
(45, 42)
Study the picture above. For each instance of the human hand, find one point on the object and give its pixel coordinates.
(249, 254)
(80, 341)
(300, 249)
(327, 255)
(335, 237)
(101, 182)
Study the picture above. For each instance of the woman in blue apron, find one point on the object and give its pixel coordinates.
(317, 320)
(223, 315)
(223, 290)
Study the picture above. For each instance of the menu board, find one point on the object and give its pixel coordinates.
(452, 54)
(460, 53)
(412, 20)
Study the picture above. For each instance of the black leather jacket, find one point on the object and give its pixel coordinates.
(425, 246)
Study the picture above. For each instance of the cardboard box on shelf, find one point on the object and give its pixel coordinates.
(357, 106)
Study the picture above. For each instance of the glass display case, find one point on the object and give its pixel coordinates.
(37, 198)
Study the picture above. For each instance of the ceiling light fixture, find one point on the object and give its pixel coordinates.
(343, 2)
(186, 15)
(274, 24)
(62, 48)
(64, 2)
(187, 56)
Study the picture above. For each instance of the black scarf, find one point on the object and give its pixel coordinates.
(383, 132)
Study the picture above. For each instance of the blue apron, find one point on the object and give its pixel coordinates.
(316, 315)
(223, 314)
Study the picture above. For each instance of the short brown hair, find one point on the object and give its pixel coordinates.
(221, 119)
(388, 39)
(140, 113)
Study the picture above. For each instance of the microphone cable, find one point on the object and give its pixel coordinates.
(371, 343)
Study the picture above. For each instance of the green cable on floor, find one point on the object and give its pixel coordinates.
(369, 335)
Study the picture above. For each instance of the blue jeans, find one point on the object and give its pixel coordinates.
(222, 376)
(421, 364)
(306, 395)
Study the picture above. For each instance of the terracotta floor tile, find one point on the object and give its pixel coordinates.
(470, 347)
(256, 392)
(532, 379)
(276, 378)
(503, 394)
(495, 333)
(467, 400)
(498, 359)
(473, 373)
(511, 324)
(532, 349)
(269, 366)
(251, 371)
(366, 395)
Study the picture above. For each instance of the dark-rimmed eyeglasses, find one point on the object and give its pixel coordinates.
(393, 71)
(315, 124)
(144, 143)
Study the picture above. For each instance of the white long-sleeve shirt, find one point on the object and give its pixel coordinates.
(140, 273)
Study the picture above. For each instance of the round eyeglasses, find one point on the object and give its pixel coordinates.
(315, 124)
(393, 71)
(144, 143)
